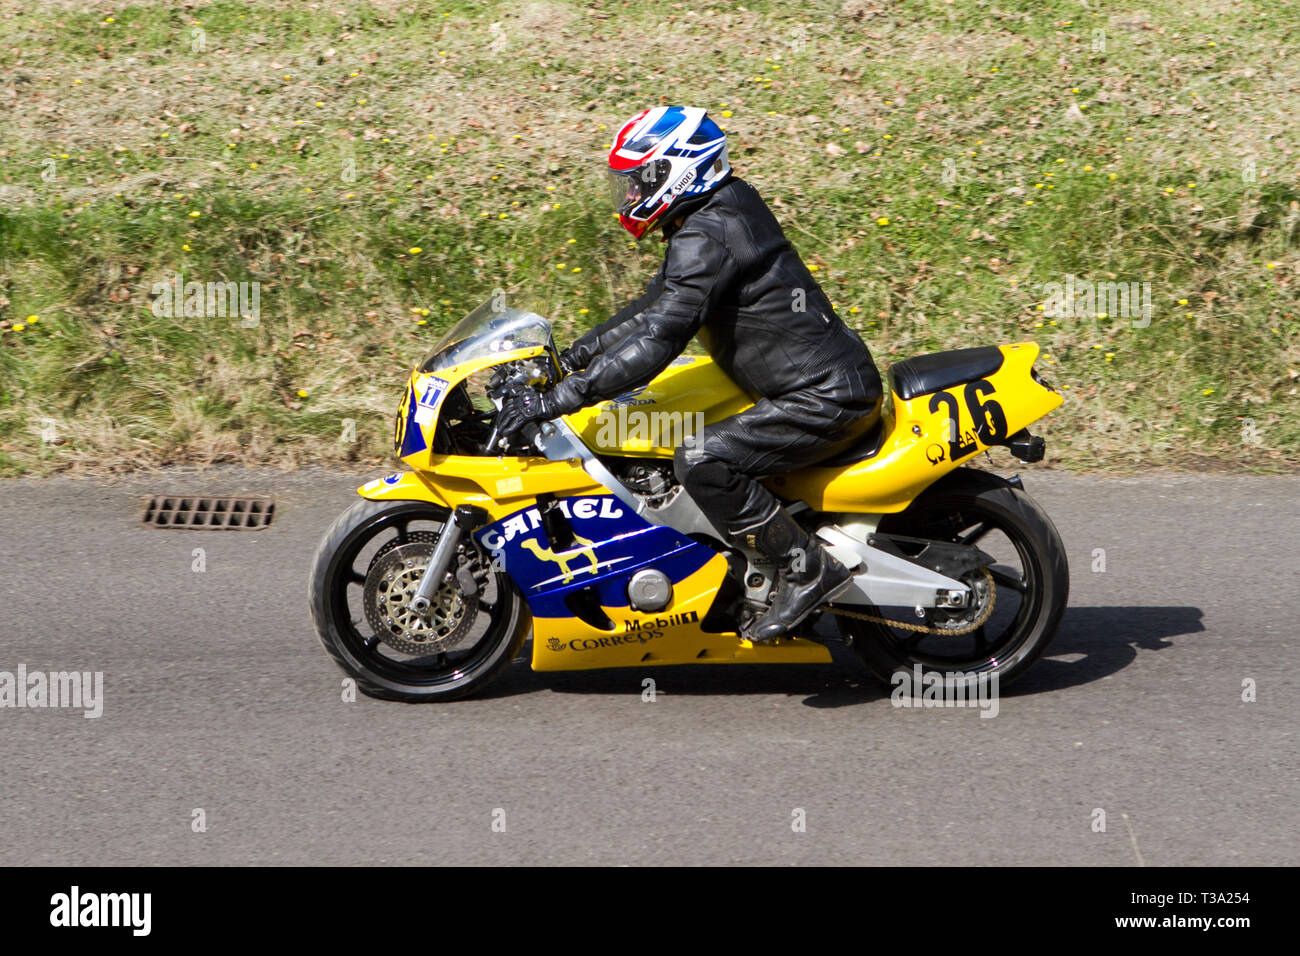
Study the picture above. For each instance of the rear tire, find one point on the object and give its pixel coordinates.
(958, 506)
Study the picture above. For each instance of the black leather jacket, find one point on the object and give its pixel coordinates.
(730, 276)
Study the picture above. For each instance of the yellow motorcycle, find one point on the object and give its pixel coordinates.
(578, 532)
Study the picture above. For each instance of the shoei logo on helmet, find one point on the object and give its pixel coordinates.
(680, 186)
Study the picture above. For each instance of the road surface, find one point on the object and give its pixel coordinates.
(217, 698)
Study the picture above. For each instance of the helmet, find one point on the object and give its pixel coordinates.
(662, 155)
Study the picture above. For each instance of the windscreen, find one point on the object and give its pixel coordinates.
(488, 330)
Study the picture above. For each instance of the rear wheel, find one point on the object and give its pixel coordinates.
(366, 571)
(1028, 585)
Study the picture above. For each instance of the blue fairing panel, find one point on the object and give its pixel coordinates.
(611, 542)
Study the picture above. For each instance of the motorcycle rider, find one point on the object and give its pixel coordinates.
(731, 278)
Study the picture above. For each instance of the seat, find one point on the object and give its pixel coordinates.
(932, 373)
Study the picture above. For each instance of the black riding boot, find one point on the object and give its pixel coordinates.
(808, 576)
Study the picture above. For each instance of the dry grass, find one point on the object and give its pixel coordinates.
(858, 112)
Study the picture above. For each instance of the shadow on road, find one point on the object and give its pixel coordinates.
(1093, 642)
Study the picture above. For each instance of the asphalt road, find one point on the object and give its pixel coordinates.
(218, 697)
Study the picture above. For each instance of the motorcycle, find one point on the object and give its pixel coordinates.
(576, 530)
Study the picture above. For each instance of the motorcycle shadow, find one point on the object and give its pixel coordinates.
(1093, 642)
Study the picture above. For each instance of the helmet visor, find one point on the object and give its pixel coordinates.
(628, 189)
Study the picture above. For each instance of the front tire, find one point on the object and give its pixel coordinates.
(396, 666)
(1030, 590)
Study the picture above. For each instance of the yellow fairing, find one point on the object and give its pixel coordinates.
(651, 422)
(501, 486)
(416, 449)
(920, 443)
(672, 636)
(917, 450)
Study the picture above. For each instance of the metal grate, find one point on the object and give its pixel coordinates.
(175, 511)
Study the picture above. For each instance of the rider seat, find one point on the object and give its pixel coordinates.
(932, 373)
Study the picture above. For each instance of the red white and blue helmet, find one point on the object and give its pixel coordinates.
(662, 155)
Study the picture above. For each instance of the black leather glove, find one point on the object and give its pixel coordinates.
(525, 405)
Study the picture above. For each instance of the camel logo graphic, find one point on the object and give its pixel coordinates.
(584, 549)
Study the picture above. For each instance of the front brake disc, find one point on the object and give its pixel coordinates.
(391, 583)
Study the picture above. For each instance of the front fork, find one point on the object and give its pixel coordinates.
(464, 518)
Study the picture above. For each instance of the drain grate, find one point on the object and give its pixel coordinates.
(177, 511)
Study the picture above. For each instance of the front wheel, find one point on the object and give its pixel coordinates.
(365, 573)
(1028, 585)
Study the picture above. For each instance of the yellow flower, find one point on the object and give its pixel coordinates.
(882, 221)
(1087, 169)
(19, 328)
(1270, 265)
(421, 321)
(252, 165)
(560, 266)
(194, 214)
(415, 250)
(186, 247)
(1038, 185)
(1113, 176)
(813, 268)
(1208, 391)
(577, 268)
(853, 310)
(583, 311)
(571, 241)
(302, 393)
(1182, 301)
(502, 215)
(726, 114)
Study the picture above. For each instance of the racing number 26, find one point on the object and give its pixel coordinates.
(985, 413)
